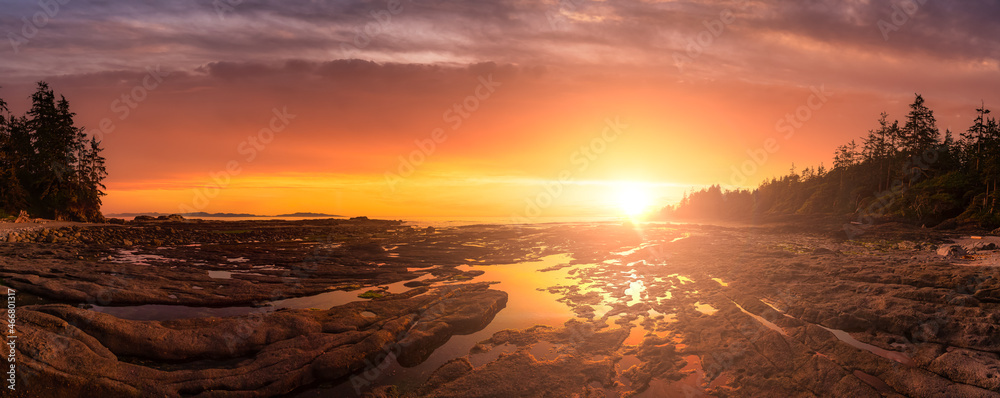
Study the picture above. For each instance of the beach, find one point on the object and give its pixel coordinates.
(377, 308)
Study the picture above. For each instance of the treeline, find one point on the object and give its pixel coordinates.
(48, 167)
(906, 171)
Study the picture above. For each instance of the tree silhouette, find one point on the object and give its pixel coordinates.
(909, 173)
(47, 165)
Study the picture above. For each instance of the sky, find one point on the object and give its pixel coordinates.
(519, 109)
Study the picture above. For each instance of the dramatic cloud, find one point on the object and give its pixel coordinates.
(700, 83)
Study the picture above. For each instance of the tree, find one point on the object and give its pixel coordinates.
(12, 194)
(881, 148)
(92, 173)
(47, 164)
(909, 173)
(920, 132)
(974, 137)
(847, 155)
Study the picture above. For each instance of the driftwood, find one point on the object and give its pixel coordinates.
(23, 217)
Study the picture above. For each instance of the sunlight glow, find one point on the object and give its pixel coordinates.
(634, 199)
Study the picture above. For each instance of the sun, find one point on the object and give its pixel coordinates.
(634, 199)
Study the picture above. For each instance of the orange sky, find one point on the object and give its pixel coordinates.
(562, 73)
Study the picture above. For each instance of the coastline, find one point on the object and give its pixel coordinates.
(633, 308)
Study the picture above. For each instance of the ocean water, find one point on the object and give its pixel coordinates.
(440, 222)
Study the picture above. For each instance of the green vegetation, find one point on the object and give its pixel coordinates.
(371, 294)
(908, 173)
(47, 165)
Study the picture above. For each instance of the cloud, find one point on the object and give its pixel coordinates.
(90, 36)
(369, 78)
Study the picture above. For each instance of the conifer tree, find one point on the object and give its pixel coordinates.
(47, 165)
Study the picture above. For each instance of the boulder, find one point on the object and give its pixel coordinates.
(974, 247)
(143, 218)
(953, 251)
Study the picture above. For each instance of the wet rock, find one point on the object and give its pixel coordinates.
(450, 371)
(888, 298)
(369, 247)
(848, 322)
(81, 352)
(382, 392)
(963, 300)
(523, 376)
(970, 367)
(435, 327)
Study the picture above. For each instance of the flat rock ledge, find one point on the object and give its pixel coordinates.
(70, 352)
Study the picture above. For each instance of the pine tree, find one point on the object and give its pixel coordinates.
(974, 138)
(57, 143)
(846, 156)
(12, 195)
(881, 148)
(92, 173)
(46, 163)
(920, 132)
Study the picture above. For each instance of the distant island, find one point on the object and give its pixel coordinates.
(221, 215)
(307, 215)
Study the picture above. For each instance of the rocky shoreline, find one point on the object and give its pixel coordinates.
(652, 310)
